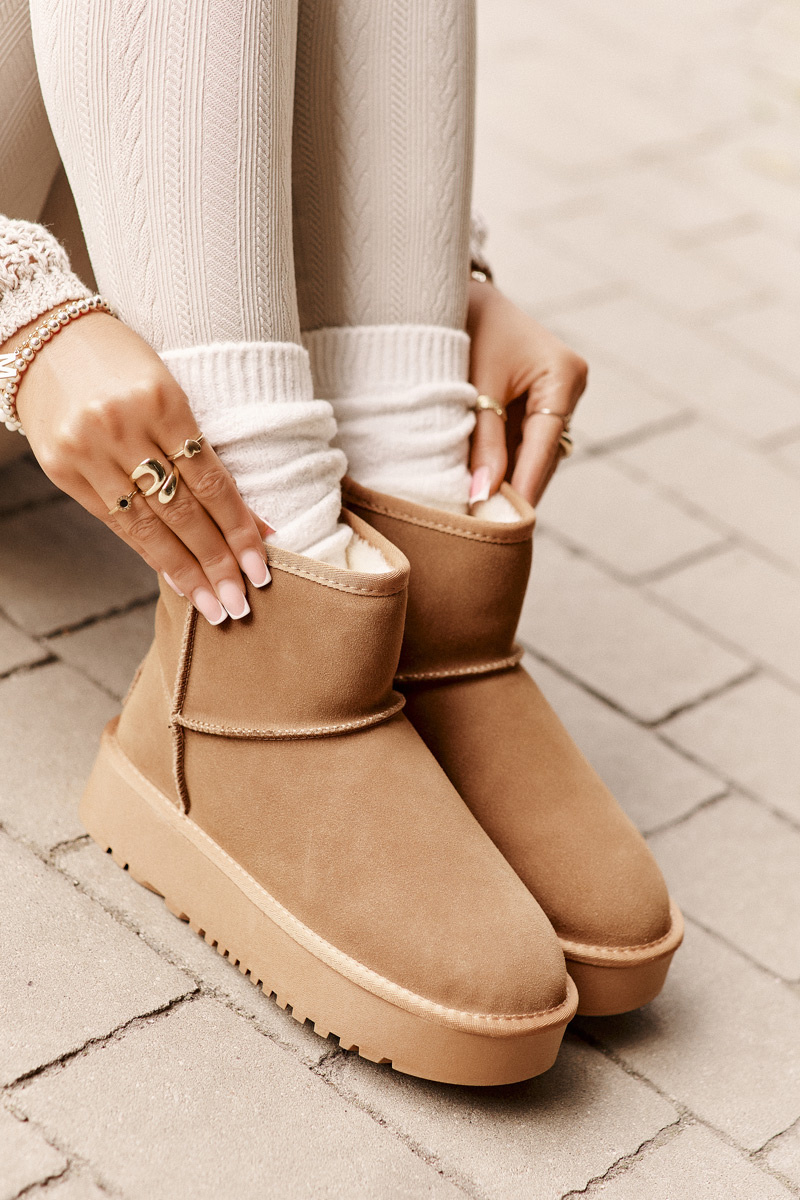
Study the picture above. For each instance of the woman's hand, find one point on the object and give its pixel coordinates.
(511, 355)
(95, 402)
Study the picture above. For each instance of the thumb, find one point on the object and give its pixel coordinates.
(488, 457)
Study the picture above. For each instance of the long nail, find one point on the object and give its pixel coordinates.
(255, 568)
(172, 584)
(234, 599)
(207, 603)
(479, 488)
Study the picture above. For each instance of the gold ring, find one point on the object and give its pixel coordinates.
(169, 488)
(490, 405)
(152, 467)
(190, 447)
(165, 485)
(564, 418)
(124, 502)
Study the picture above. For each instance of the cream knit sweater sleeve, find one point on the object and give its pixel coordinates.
(35, 273)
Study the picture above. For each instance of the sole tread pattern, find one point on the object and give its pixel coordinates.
(282, 1002)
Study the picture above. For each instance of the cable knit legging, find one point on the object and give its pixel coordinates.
(277, 199)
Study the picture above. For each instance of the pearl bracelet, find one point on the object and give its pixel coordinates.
(22, 357)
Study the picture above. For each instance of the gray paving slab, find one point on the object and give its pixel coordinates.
(198, 1103)
(719, 476)
(644, 660)
(726, 594)
(625, 524)
(52, 721)
(100, 877)
(109, 651)
(652, 783)
(723, 1038)
(60, 567)
(16, 648)
(686, 363)
(70, 972)
(694, 1164)
(616, 406)
(783, 1155)
(736, 868)
(509, 1143)
(26, 1158)
(749, 733)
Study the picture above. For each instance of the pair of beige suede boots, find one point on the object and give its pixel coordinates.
(360, 796)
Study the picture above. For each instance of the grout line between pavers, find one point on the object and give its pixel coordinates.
(119, 610)
(682, 818)
(695, 510)
(624, 1164)
(41, 1186)
(746, 673)
(455, 1178)
(686, 1114)
(103, 1039)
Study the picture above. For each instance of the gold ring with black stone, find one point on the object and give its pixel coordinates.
(124, 502)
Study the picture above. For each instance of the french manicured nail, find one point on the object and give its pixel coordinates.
(234, 599)
(255, 568)
(207, 603)
(479, 488)
(172, 584)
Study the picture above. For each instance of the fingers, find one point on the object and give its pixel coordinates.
(538, 456)
(214, 488)
(147, 533)
(488, 456)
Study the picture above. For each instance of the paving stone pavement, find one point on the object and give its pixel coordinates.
(639, 167)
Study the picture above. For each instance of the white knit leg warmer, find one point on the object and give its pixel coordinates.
(273, 437)
(402, 407)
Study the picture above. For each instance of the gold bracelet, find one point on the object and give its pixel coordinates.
(14, 365)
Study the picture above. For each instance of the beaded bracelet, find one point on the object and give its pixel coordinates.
(17, 363)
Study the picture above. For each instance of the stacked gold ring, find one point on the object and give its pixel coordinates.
(163, 481)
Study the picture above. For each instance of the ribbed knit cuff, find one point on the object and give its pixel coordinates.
(376, 358)
(32, 297)
(35, 275)
(230, 383)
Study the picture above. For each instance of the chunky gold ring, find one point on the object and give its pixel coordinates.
(124, 502)
(153, 468)
(487, 403)
(165, 485)
(190, 447)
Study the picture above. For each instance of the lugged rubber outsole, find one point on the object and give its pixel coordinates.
(168, 853)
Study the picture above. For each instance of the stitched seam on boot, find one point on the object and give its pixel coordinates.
(339, 587)
(333, 951)
(181, 684)
(499, 664)
(611, 951)
(407, 519)
(283, 735)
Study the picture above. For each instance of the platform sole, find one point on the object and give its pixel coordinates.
(167, 852)
(618, 986)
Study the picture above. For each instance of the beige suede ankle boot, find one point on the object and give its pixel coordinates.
(509, 756)
(263, 780)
